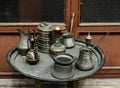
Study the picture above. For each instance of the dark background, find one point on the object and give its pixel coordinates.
(100, 11)
(51, 11)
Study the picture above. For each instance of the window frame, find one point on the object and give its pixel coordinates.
(11, 27)
(101, 27)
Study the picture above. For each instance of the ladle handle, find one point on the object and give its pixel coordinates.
(72, 22)
(101, 39)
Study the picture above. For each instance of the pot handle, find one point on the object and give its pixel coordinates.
(74, 58)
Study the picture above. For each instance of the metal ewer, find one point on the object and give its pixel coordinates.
(85, 61)
(57, 47)
(23, 43)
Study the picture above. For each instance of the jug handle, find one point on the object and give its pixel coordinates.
(28, 44)
(19, 31)
(62, 40)
(74, 58)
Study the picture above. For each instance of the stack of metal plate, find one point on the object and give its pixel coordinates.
(44, 37)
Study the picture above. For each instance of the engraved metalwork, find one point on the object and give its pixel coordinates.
(44, 37)
(43, 69)
(63, 66)
(23, 43)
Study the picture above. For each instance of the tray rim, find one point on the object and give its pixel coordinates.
(12, 50)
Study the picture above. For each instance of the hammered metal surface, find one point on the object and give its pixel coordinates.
(42, 70)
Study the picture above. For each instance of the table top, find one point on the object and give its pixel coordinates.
(42, 70)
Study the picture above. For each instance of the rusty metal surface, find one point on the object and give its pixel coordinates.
(43, 69)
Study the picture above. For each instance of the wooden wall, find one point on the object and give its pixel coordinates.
(8, 39)
(110, 46)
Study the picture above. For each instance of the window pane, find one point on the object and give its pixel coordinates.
(8, 11)
(100, 11)
(31, 10)
(52, 10)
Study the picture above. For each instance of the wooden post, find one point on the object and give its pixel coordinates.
(37, 83)
(73, 84)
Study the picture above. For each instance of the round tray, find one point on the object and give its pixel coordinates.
(42, 70)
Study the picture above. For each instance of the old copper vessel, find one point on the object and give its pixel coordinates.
(23, 43)
(44, 37)
(63, 66)
(68, 41)
(57, 47)
(32, 57)
(85, 61)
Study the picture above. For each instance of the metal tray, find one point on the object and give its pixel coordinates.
(42, 70)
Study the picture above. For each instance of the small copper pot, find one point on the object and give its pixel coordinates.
(63, 67)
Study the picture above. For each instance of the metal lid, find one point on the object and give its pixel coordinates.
(88, 37)
(67, 35)
(44, 27)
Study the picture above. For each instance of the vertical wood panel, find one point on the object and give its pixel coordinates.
(6, 43)
(67, 13)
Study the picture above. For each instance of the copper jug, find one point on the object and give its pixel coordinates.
(68, 41)
(32, 56)
(23, 43)
(57, 47)
(85, 61)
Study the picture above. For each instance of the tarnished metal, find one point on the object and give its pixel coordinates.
(63, 66)
(44, 68)
(32, 57)
(23, 43)
(68, 41)
(57, 47)
(44, 37)
(85, 61)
